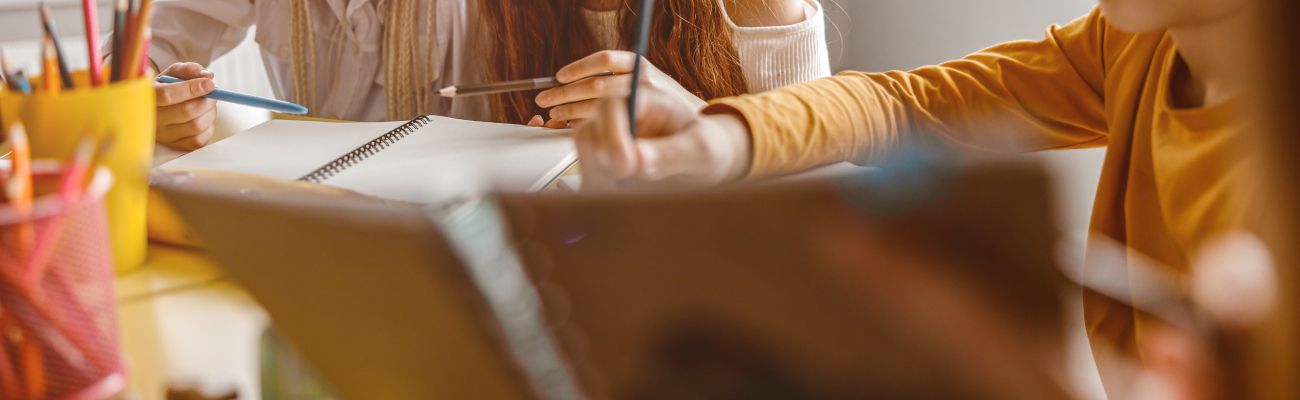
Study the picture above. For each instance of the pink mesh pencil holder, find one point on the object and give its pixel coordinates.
(58, 305)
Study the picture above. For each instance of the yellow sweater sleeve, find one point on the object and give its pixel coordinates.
(1017, 96)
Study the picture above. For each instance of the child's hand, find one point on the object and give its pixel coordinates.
(578, 100)
(675, 144)
(185, 120)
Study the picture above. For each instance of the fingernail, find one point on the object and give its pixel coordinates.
(563, 75)
(205, 72)
(544, 99)
(208, 86)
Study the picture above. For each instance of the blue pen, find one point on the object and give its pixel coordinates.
(251, 101)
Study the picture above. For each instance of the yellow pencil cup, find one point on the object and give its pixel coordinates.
(123, 111)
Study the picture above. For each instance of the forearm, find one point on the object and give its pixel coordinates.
(806, 125)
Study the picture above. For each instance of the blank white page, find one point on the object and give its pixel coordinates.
(432, 162)
(284, 149)
(448, 151)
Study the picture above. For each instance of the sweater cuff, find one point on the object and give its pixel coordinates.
(763, 162)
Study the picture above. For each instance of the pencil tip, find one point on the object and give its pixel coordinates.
(449, 91)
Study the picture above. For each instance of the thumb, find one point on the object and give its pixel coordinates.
(174, 93)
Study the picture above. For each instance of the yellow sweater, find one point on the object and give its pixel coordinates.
(1171, 177)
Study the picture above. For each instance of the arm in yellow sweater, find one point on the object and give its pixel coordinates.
(1017, 96)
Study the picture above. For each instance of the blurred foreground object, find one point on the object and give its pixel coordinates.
(812, 290)
(1273, 347)
(922, 281)
(58, 304)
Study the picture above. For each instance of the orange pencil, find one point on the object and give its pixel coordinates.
(47, 19)
(9, 386)
(19, 188)
(50, 68)
(33, 365)
(135, 46)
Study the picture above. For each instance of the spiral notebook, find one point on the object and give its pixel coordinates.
(418, 160)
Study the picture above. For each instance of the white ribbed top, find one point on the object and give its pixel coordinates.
(770, 56)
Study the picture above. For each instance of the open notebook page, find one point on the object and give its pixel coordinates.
(449, 151)
(284, 149)
(444, 151)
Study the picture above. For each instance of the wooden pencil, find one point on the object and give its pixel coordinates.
(90, 11)
(508, 86)
(120, 32)
(52, 30)
(136, 40)
(50, 78)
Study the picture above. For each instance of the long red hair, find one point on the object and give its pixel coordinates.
(690, 41)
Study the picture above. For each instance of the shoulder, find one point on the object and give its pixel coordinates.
(753, 13)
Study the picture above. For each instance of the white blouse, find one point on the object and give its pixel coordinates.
(351, 33)
(770, 56)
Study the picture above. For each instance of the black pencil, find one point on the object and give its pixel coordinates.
(47, 18)
(509, 86)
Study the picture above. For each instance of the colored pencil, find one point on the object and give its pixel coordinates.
(508, 86)
(147, 41)
(8, 374)
(50, 78)
(91, 12)
(128, 42)
(136, 39)
(120, 31)
(73, 181)
(19, 188)
(16, 79)
(33, 365)
(71, 186)
(52, 30)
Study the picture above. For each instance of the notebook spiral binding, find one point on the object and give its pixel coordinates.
(365, 151)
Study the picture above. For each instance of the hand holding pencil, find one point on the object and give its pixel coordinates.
(185, 119)
(573, 92)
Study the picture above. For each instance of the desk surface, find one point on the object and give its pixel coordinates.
(183, 322)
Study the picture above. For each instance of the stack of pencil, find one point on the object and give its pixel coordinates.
(51, 350)
(130, 52)
(33, 272)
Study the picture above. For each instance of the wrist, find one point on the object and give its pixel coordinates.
(734, 144)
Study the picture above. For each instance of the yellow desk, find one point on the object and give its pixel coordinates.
(182, 322)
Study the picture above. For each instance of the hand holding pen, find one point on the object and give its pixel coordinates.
(185, 119)
(187, 105)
